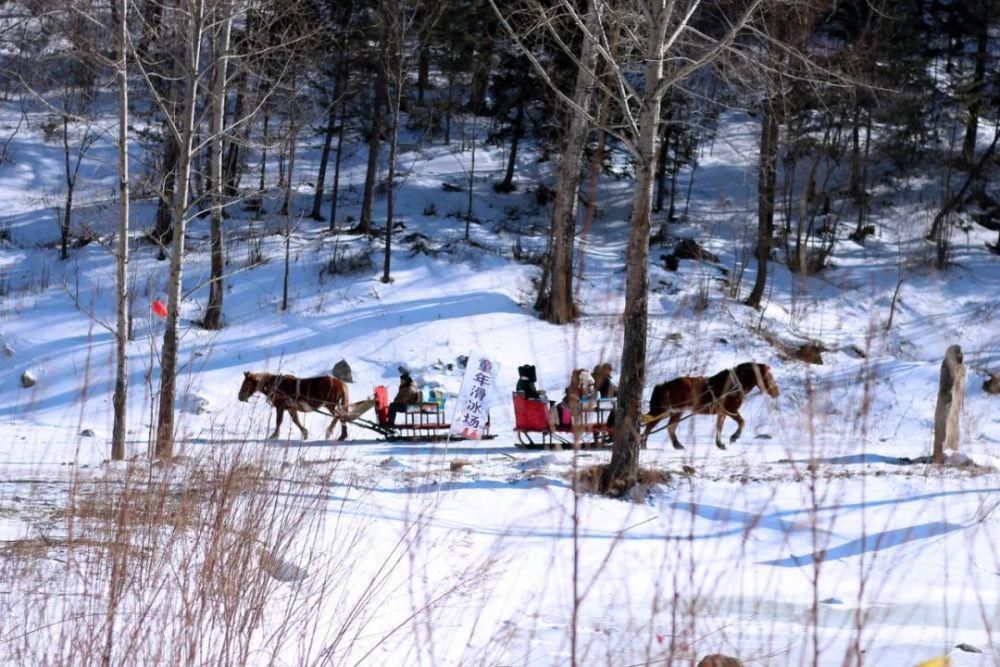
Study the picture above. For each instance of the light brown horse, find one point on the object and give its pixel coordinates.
(721, 394)
(287, 392)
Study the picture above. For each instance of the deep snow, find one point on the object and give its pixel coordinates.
(808, 533)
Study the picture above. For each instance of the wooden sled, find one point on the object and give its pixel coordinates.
(416, 422)
(531, 423)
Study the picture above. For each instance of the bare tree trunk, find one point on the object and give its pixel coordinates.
(282, 147)
(423, 72)
(672, 201)
(977, 92)
(623, 469)
(336, 164)
(947, 414)
(507, 184)
(287, 210)
(806, 205)
(472, 180)
(859, 175)
(374, 142)
(390, 182)
(293, 139)
(231, 168)
(216, 286)
(766, 176)
(198, 187)
(447, 111)
(168, 351)
(164, 225)
(481, 75)
(115, 584)
(661, 169)
(324, 159)
(559, 307)
(938, 225)
(288, 260)
(121, 330)
(855, 187)
(70, 182)
(263, 152)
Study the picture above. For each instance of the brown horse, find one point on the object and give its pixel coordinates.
(721, 394)
(287, 392)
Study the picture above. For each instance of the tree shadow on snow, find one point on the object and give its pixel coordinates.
(876, 542)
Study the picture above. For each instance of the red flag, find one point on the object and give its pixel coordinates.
(159, 308)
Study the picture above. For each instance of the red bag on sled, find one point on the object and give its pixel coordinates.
(382, 405)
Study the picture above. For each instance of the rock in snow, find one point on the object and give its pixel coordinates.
(280, 569)
(28, 379)
(198, 404)
(342, 371)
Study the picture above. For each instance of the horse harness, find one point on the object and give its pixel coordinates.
(715, 400)
(296, 400)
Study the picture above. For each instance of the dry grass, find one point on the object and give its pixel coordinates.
(589, 481)
(230, 559)
(456, 465)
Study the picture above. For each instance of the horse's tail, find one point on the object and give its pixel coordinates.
(656, 403)
(345, 397)
(339, 399)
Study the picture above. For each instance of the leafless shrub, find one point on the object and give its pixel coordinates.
(589, 481)
(349, 260)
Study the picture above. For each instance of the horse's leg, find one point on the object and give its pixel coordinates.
(280, 410)
(675, 419)
(333, 422)
(294, 414)
(343, 425)
(720, 419)
(650, 425)
(739, 427)
(342, 414)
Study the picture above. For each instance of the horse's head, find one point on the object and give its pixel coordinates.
(251, 384)
(765, 381)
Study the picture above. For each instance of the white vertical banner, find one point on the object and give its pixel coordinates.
(478, 389)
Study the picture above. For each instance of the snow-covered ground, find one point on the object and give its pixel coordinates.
(813, 539)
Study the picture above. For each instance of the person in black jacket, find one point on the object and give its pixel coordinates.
(526, 383)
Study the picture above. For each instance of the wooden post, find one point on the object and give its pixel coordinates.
(951, 390)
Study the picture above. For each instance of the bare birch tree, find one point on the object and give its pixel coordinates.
(221, 39)
(120, 400)
(400, 22)
(193, 16)
(196, 19)
(556, 293)
(663, 42)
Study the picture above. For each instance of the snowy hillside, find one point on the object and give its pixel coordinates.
(813, 539)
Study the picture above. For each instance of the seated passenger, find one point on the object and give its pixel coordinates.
(602, 380)
(580, 395)
(407, 395)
